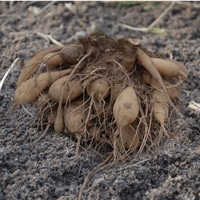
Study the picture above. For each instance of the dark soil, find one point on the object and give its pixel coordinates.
(47, 169)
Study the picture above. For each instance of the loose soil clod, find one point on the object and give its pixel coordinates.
(115, 98)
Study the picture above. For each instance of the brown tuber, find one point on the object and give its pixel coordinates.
(72, 89)
(98, 88)
(126, 107)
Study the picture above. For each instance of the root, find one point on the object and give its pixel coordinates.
(43, 134)
(89, 176)
(78, 143)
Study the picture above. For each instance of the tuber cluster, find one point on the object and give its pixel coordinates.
(112, 95)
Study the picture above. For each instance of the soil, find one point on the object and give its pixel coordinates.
(48, 169)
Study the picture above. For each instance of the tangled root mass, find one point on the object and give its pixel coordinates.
(111, 95)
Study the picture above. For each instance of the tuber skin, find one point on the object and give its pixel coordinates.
(172, 90)
(53, 60)
(130, 139)
(72, 53)
(32, 64)
(75, 116)
(32, 88)
(126, 107)
(168, 68)
(59, 121)
(42, 99)
(160, 103)
(144, 60)
(98, 88)
(72, 89)
(68, 55)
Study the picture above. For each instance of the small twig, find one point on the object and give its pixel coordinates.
(133, 165)
(150, 29)
(195, 106)
(47, 6)
(54, 41)
(78, 144)
(147, 30)
(43, 134)
(49, 37)
(6, 74)
(162, 15)
(27, 111)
